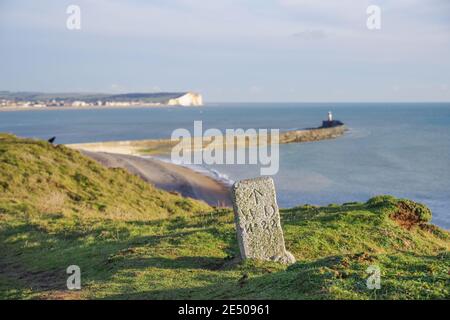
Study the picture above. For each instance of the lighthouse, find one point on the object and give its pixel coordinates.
(330, 116)
(330, 123)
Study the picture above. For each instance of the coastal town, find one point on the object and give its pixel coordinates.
(77, 103)
(24, 100)
(63, 103)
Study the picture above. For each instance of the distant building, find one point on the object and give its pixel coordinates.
(99, 99)
(79, 104)
(330, 123)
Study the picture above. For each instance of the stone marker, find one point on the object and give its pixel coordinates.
(257, 220)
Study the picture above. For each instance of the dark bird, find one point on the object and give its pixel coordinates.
(243, 280)
(52, 139)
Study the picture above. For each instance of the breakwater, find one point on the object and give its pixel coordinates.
(164, 146)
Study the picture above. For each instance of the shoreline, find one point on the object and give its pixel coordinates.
(168, 176)
(140, 106)
(200, 169)
(164, 146)
(138, 157)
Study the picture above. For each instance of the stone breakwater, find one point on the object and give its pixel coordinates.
(310, 135)
(164, 146)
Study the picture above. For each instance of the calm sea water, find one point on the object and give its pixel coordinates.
(398, 149)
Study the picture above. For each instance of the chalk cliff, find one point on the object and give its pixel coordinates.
(187, 99)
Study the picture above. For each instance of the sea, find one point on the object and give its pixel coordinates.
(400, 149)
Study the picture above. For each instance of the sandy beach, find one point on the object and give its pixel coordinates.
(168, 177)
(175, 178)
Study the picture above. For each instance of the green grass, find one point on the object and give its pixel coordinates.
(132, 241)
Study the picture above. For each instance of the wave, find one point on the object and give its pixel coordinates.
(209, 172)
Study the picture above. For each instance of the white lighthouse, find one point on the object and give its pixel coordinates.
(330, 116)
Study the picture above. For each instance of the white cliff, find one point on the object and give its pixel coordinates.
(187, 100)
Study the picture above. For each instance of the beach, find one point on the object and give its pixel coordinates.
(164, 146)
(382, 153)
(133, 156)
(169, 177)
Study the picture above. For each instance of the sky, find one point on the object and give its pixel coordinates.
(230, 50)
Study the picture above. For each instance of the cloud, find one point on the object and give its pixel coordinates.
(229, 44)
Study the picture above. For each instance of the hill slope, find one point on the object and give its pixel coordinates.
(58, 208)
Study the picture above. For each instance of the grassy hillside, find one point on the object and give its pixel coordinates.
(58, 208)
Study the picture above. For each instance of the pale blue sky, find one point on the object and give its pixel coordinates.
(230, 50)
